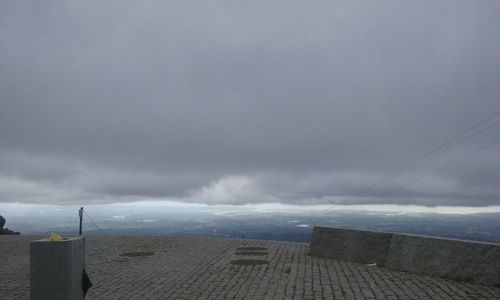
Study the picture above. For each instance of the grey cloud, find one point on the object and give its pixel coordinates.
(118, 184)
(37, 168)
(288, 101)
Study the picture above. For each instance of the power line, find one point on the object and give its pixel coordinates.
(444, 147)
(95, 224)
(436, 170)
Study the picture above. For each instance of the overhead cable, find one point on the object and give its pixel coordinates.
(442, 148)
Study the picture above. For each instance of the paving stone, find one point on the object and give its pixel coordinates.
(200, 268)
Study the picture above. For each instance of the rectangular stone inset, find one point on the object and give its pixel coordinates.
(57, 268)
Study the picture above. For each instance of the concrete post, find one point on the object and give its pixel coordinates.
(57, 268)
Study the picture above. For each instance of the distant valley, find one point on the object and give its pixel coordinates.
(241, 222)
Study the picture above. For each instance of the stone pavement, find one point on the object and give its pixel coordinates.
(201, 268)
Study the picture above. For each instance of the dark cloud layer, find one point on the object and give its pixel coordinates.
(230, 102)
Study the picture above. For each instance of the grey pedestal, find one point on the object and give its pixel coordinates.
(57, 268)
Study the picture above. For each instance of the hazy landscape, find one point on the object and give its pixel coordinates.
(267, 222)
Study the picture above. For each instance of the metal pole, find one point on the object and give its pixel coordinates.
(80, 213)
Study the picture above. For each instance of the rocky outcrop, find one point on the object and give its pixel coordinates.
(5, 231)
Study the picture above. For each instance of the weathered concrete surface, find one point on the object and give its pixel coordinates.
(200, 268)
(351, 245)
(456, 259)
(57, 268)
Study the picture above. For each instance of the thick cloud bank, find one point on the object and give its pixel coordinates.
(230, 102)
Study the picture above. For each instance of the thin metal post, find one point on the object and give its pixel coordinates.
(80, 213)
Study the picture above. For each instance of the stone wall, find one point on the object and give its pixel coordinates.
(455, 259)
(352, 245)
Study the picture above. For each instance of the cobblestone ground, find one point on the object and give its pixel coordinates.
(200, 268)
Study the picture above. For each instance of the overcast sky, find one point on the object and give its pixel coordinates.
(299, 102)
